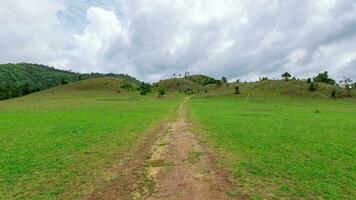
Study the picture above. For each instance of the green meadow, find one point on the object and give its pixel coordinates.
(61, 142)
(283, 147)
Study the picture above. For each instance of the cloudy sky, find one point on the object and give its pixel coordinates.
(152, 39)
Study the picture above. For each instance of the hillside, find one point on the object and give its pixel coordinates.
(179, 85)
(93, 86)
(22, 79)
(295, 88)
(202, 79)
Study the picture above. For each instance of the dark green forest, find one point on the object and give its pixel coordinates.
(24, 78)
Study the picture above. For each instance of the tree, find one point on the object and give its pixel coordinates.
(224, 79)
(161, 92)
(286, 76)
(347, 83)
(309, 80)
(263, 78)
(324, 78)
(237, 90)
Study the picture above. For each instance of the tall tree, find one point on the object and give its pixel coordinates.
(286, 76)
(324, 78)
(224, 79)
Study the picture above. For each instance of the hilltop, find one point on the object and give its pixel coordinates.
(24, 78)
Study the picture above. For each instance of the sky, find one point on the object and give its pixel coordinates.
(152, 39)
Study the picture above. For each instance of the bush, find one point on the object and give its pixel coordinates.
(144, 89)
(312, 86)
(188, 91)
(127, 86)
(64, 81)
(237, 90)
(161, 92)
(333, 94)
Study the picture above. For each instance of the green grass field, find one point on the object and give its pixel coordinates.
(61, 142)
(284, 147)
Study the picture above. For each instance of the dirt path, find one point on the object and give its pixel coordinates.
(181, 168)
(178, 167)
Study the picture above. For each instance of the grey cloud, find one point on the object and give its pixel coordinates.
(153, 39)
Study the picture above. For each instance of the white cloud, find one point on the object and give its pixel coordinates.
(29, 30)
(156, 38)
(102, 29)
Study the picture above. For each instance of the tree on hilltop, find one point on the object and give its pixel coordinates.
(324, 78)
(286, 76)
(224, 79)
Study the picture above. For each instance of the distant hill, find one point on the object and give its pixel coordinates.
(202, 80)
(24, 78)
(190, 84)
(295, 88)
(100, 85)
(179, 85)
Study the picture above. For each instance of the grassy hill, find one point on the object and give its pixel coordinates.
(22, 79)
(179, 85)
(294, 88)
(189, 85)
(103, 85)
(202, 80)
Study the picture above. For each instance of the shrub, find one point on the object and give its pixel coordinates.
(312, 86)
(127, 86)
(64, 81)
(161, 92)
(188, 91)
(333, 94)
(144, 88)
(237, 90)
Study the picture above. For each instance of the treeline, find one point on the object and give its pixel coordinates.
(24, 78)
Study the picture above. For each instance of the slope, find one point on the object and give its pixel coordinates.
(22, 79)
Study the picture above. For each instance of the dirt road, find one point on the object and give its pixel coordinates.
(176, 166)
